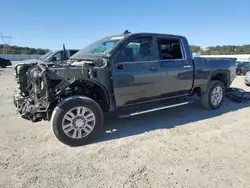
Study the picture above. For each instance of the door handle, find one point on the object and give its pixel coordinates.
(186, 66)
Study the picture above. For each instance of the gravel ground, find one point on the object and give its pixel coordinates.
(182, 147)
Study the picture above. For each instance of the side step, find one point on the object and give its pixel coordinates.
(152, 109)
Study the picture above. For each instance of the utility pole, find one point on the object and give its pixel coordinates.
(6, 40)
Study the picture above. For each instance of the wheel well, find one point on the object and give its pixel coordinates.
(92, 90)
(99, 94)
(221, 77)
(197, 91)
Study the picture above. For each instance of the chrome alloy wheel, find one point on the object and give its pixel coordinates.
(78, 122)
(217, 95)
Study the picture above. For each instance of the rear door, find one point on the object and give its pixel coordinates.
(133, 71)
(176, 68)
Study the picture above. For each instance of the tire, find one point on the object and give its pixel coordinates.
(247, 84)
(206, 97)
(60, 127)
(3, 66)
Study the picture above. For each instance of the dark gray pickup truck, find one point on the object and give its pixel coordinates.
(127, 74)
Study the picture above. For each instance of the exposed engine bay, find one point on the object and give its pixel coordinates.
(41, 88)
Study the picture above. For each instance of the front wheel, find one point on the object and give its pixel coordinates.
(213, 97)
(77, 121)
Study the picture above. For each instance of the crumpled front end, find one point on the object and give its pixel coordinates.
(17, 67)
(31, 98)
(42, 87)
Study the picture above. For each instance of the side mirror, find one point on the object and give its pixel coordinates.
(53, 59)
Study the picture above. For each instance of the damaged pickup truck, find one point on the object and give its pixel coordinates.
(127, 74)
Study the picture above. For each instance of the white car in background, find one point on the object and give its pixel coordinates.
(247, 78)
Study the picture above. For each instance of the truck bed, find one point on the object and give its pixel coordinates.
(206, 68)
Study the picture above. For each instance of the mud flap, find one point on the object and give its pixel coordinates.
(237, 95)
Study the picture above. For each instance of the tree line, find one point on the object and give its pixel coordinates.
(222, 50)
(7, 49)
(211, 50)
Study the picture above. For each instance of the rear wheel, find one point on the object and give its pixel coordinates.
(213, 97)
(77, 121)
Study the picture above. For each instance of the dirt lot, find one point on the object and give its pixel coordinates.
(182, 147)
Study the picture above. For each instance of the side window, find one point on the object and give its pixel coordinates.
(72, 52)
(138, 49)
(58, 56)
(170, 49)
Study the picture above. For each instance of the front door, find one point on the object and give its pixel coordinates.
(133, 71)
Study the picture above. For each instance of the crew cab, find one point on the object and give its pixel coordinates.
(127, 74)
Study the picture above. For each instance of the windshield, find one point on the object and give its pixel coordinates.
(102, 46)
(43, 57)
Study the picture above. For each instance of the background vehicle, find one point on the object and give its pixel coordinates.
(247, 78)
(127, 74)
(243, 68)
(51, 58)
(4, 63)
(56, 57)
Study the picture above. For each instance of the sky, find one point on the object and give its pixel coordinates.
(76, 23)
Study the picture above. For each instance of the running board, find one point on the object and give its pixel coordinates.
(154, 109)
